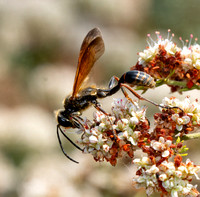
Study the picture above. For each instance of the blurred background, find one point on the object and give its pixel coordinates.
(39, 48)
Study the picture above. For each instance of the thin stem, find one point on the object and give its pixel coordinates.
(191, 136)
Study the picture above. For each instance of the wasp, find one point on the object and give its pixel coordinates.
(91, 50)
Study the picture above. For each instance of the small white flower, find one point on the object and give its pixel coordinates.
(147, 55)
(162, 177)
(166, 184)
(140, 179)
(165, 153)
(178, 173)
(179, 127)
(142, 162)
(168, 143)
(102, 126)
(187, 189)
(156, 145)
(197, 64)
(183, 169)
(93, 139)
(149, 191)
(134, 120)
(152, 170)
(185, 52)
(174, 193)
(106, 147)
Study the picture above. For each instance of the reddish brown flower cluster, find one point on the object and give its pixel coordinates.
(168, 64)
(156, 172)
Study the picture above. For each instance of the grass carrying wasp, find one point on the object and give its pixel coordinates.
(91, 50)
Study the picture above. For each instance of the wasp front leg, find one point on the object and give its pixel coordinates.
(98, 107)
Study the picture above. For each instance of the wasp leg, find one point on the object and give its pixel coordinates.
(78, 119)
(145, 99)
(61, 146)
(139, 96)
(98, 107)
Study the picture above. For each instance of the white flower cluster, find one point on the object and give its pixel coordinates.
(192, 110)
(95, 139)
(122, 122)
(190, 54)
(162, 146)
(174, 180)
(148, 54)
(128, 115)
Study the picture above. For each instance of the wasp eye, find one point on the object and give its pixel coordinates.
(63, 121)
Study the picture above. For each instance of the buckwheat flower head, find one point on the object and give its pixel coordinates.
(147, 175)
(178, 178)
(191, 111)
(147, 55)
(153, 49)
(110, 136)
(169, 46)
(162, 146)
(191, 55)
(95, 141)
(169, 64)
(166, 178)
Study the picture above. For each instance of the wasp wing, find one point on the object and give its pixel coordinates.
(91, 49)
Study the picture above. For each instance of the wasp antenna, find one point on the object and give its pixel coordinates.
(58, 128)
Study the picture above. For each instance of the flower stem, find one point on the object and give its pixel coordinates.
(191, 136)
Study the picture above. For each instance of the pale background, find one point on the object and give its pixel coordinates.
(39, 47)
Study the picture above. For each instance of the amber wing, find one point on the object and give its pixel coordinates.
(91, 49)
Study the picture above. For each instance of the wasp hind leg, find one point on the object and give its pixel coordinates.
(61, 146)
(145, 99)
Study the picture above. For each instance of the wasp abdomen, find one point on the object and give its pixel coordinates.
(139, 78)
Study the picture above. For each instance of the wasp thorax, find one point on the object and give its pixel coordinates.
(67, 101)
